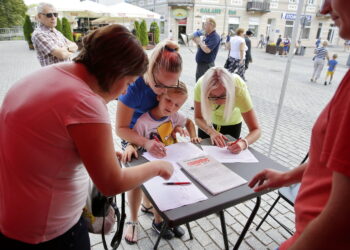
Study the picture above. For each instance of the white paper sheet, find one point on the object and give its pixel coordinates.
(177, 152)
(224, 155)
(172, 196)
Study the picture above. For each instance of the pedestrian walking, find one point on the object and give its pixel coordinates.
(321, 54)
(278, 44)
(237, 56)
(261, 42)
(286, 46)
(248, 55)
(331, 69)
(50, 45)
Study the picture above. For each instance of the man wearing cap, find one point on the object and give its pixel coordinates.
(51, 46)
(207, 49)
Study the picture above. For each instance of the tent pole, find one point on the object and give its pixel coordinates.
(286, 73)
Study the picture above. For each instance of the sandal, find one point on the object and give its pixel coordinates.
(146, 210)
(134, 230)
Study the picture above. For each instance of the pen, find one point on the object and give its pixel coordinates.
(157, 140)
(233, 143)
(177, 183)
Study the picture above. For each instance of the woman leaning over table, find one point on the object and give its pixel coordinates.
(163, 72)
(52, 121)
(221, 102)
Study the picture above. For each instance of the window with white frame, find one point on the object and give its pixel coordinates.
(311, 2)
(293, 1)
(288, 30)
(306, 27)
(210, 1)
(273, 5)
(254, 25)
(237, 2)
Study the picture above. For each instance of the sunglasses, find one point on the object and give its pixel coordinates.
(163, 86)
(215, 98)
(49, 15)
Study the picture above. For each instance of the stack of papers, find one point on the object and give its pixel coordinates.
(224, 155)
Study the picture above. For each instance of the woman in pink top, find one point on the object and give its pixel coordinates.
(323, 203)
(51, 122)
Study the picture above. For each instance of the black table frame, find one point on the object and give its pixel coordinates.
(217, 203)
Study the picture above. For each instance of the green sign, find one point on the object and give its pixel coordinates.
(232, 12)
(210, 11)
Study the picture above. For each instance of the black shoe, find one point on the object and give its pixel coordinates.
(178, 231)
(168, 234)
(325, 83)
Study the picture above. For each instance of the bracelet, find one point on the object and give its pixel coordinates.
(246, 142)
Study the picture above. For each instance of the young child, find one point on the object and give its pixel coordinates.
(331, 68)
(161, 123)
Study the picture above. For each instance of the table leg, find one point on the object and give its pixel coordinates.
(164, 227)
(249, 222)
(189, 230)
(223, 227)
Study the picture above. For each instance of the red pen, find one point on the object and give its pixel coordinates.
(157, 140)
(233, 143)
(177, 183)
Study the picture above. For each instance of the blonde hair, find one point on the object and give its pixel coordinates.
(181, 89)
(212, 21)
(239, 31)
(164, 57)
(210, 81)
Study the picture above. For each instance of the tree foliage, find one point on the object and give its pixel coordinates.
(12, 13)
(59, 25)
(154, 28)
(143, 33)
(28, 29)
(66, 29)
(137, 30)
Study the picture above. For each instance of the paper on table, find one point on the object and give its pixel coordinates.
(177, 152)
(172, 196)
(224, 155)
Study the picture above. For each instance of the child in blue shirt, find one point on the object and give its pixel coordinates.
(331, 68)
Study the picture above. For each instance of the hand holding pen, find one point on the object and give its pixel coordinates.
(156, 148)
(236, 146)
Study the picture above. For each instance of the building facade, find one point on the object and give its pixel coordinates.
(264, 17)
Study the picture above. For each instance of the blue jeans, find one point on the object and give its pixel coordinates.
(76, 238)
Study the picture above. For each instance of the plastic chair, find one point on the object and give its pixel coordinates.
(288, 194)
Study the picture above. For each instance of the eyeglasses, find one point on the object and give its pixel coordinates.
(163, 86)
(215, 98)
(49, 15)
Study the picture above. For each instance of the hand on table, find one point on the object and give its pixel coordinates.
(155, 148)
(196, 140)
(183, 132)
(267, 178)
(218, 139)
(129, 152)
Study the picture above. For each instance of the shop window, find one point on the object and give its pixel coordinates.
(254, 28)
(305, 33)
(288, 29)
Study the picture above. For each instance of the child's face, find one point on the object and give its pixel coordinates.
(170, 103)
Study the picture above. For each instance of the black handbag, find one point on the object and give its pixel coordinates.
(100, 206)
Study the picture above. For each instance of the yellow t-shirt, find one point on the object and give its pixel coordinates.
(243, 103)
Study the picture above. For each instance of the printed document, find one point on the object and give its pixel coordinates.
(224, 155)
(211, 174)
(172, 196)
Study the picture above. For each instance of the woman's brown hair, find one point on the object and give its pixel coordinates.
(110, 53)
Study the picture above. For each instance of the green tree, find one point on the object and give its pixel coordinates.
(28, 30)
(137, 30)
(154, 28)
(66, 29)
(12, 13)
(143, 33)
(59, 25)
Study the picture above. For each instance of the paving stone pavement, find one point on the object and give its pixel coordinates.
(303, 102)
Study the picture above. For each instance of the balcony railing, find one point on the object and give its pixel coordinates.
(180, 2)
(258, 6)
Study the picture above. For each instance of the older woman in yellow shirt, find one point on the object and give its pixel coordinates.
(221, 102)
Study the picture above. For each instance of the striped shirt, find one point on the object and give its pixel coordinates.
(45, 40)
(321, 53)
